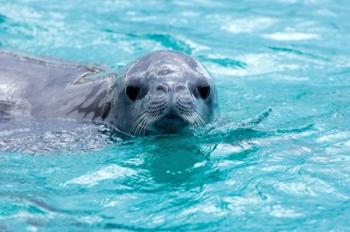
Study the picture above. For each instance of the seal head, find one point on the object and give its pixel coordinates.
(162, 92)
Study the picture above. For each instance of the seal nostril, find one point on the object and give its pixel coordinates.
(162, 88)
(204, 91)
(180, 88)
(132, 92)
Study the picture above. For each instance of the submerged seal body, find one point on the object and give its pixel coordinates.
(46, 89)
(161, 92)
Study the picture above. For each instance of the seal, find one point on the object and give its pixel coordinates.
(160, 92)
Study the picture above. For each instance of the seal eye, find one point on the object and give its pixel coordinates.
(204, 91)
(132, 92)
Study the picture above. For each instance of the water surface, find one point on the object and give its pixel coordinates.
(277, 158)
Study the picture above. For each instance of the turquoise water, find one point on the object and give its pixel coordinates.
(277, 158)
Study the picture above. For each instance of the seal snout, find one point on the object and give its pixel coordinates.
(170, 88)
(178, 98)
(178, 105)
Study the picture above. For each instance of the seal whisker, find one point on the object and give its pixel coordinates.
(143, 125)
(199, 119)
(195, 119)
(137, 124)
(149, 122)
(189, 118)
(150, 119)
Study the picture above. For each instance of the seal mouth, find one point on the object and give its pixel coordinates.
(172, 117)
(170, 123)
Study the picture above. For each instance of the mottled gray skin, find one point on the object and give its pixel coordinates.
(162, 92)
(45, 89)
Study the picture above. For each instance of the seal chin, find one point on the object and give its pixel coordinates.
(170, 123)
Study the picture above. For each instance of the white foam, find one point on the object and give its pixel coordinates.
(291, 36)
(109, 172)
(282, 212)
(247, 25)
